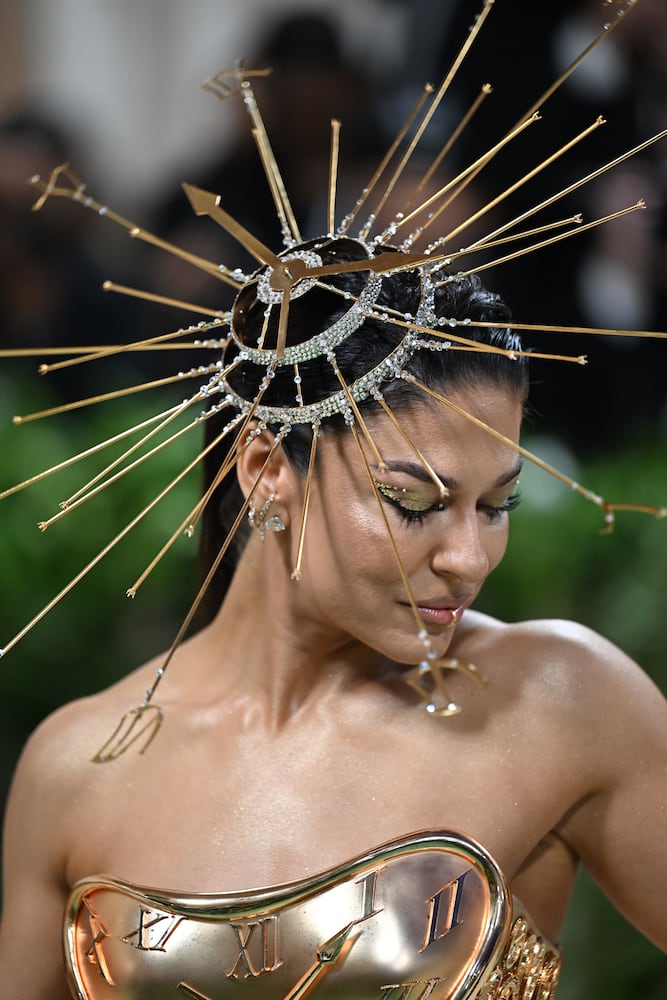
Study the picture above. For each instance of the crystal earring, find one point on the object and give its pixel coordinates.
(259, 519)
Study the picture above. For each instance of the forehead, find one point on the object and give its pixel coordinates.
(451, 436)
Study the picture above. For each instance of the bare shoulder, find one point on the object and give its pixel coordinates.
(55, 757)
(590, 688)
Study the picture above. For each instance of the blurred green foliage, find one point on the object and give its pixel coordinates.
(558, 565)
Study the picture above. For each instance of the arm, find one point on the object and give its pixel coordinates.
(620, 829)
(35, 889)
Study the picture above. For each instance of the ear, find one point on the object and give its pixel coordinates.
(260, 458)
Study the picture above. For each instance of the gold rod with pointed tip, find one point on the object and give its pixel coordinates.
(437, 98)
(107, 396)
(77, 193)
(164, 300)
(72, 504)
(296, 572)
(606, 31)
(333, 175)
(181, 408)
(587, 494)
(269, 163)
(402, 132)
(583, 228)
(34, 352)
(355, 409)
(525, 234)
(442, 489)
(98, 558)
(571, 187)
(149, 344)
(419, 621)
(188, 522)
(211, 573)
(465, 121)
(518, 183)
(85, 454)
(465, 176)
(472, 347)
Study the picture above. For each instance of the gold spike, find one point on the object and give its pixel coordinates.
(355, 409)
(457, 184)
(419, 621)
(601, 331)
(281, 200)
(85, 454)
(605, 505)
(559, 81)
(572, 187)
(98, 558)
(349, 219)
(213, 570)
(573, 220)
(584, 227)
(150, 344)
(465, 343)
(70, 505)
(423, 125)
(607, 29)
(333, 174)
(265, 326)
(177, 411)
(296, 572)
(281, 338)
(77, 193)
(33, 352)
(116, 394)
(465, 121)
(468, 668)
(444, 492)
(187, 524)
(519, 183)
(138, 293)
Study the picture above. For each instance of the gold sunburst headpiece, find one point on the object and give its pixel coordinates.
(264, 355)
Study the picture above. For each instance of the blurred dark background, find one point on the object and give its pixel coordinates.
(364, 62)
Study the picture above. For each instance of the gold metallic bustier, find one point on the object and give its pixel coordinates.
(429, 915)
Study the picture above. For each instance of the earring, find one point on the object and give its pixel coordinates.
(259, 519)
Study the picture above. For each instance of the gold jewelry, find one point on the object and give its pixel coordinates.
(259, 519)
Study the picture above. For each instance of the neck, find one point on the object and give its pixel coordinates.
(268, 648)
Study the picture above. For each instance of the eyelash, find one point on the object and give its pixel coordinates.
(492, 511)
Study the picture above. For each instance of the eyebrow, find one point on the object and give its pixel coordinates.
(416, 470)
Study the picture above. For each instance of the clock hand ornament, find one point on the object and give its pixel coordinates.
(387, 262)
(328, 954)
(207, 203)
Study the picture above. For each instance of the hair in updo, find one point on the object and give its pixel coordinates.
(316, 310)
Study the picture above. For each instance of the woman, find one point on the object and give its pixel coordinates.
(295, 741)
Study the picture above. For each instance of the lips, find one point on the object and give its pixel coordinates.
(440, 614)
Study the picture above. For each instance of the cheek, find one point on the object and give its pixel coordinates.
(347, 538)
(496, 544)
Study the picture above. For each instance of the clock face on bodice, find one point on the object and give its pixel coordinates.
(424, 916)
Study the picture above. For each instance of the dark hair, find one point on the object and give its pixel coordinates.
(462, 298)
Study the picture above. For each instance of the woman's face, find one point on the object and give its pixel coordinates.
(351, 585)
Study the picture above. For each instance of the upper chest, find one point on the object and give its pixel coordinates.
(208, 813)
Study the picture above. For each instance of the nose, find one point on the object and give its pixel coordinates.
(460, 550)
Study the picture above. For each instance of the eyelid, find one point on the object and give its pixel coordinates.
(407, 498)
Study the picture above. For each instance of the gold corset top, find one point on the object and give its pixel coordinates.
(430, 915)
